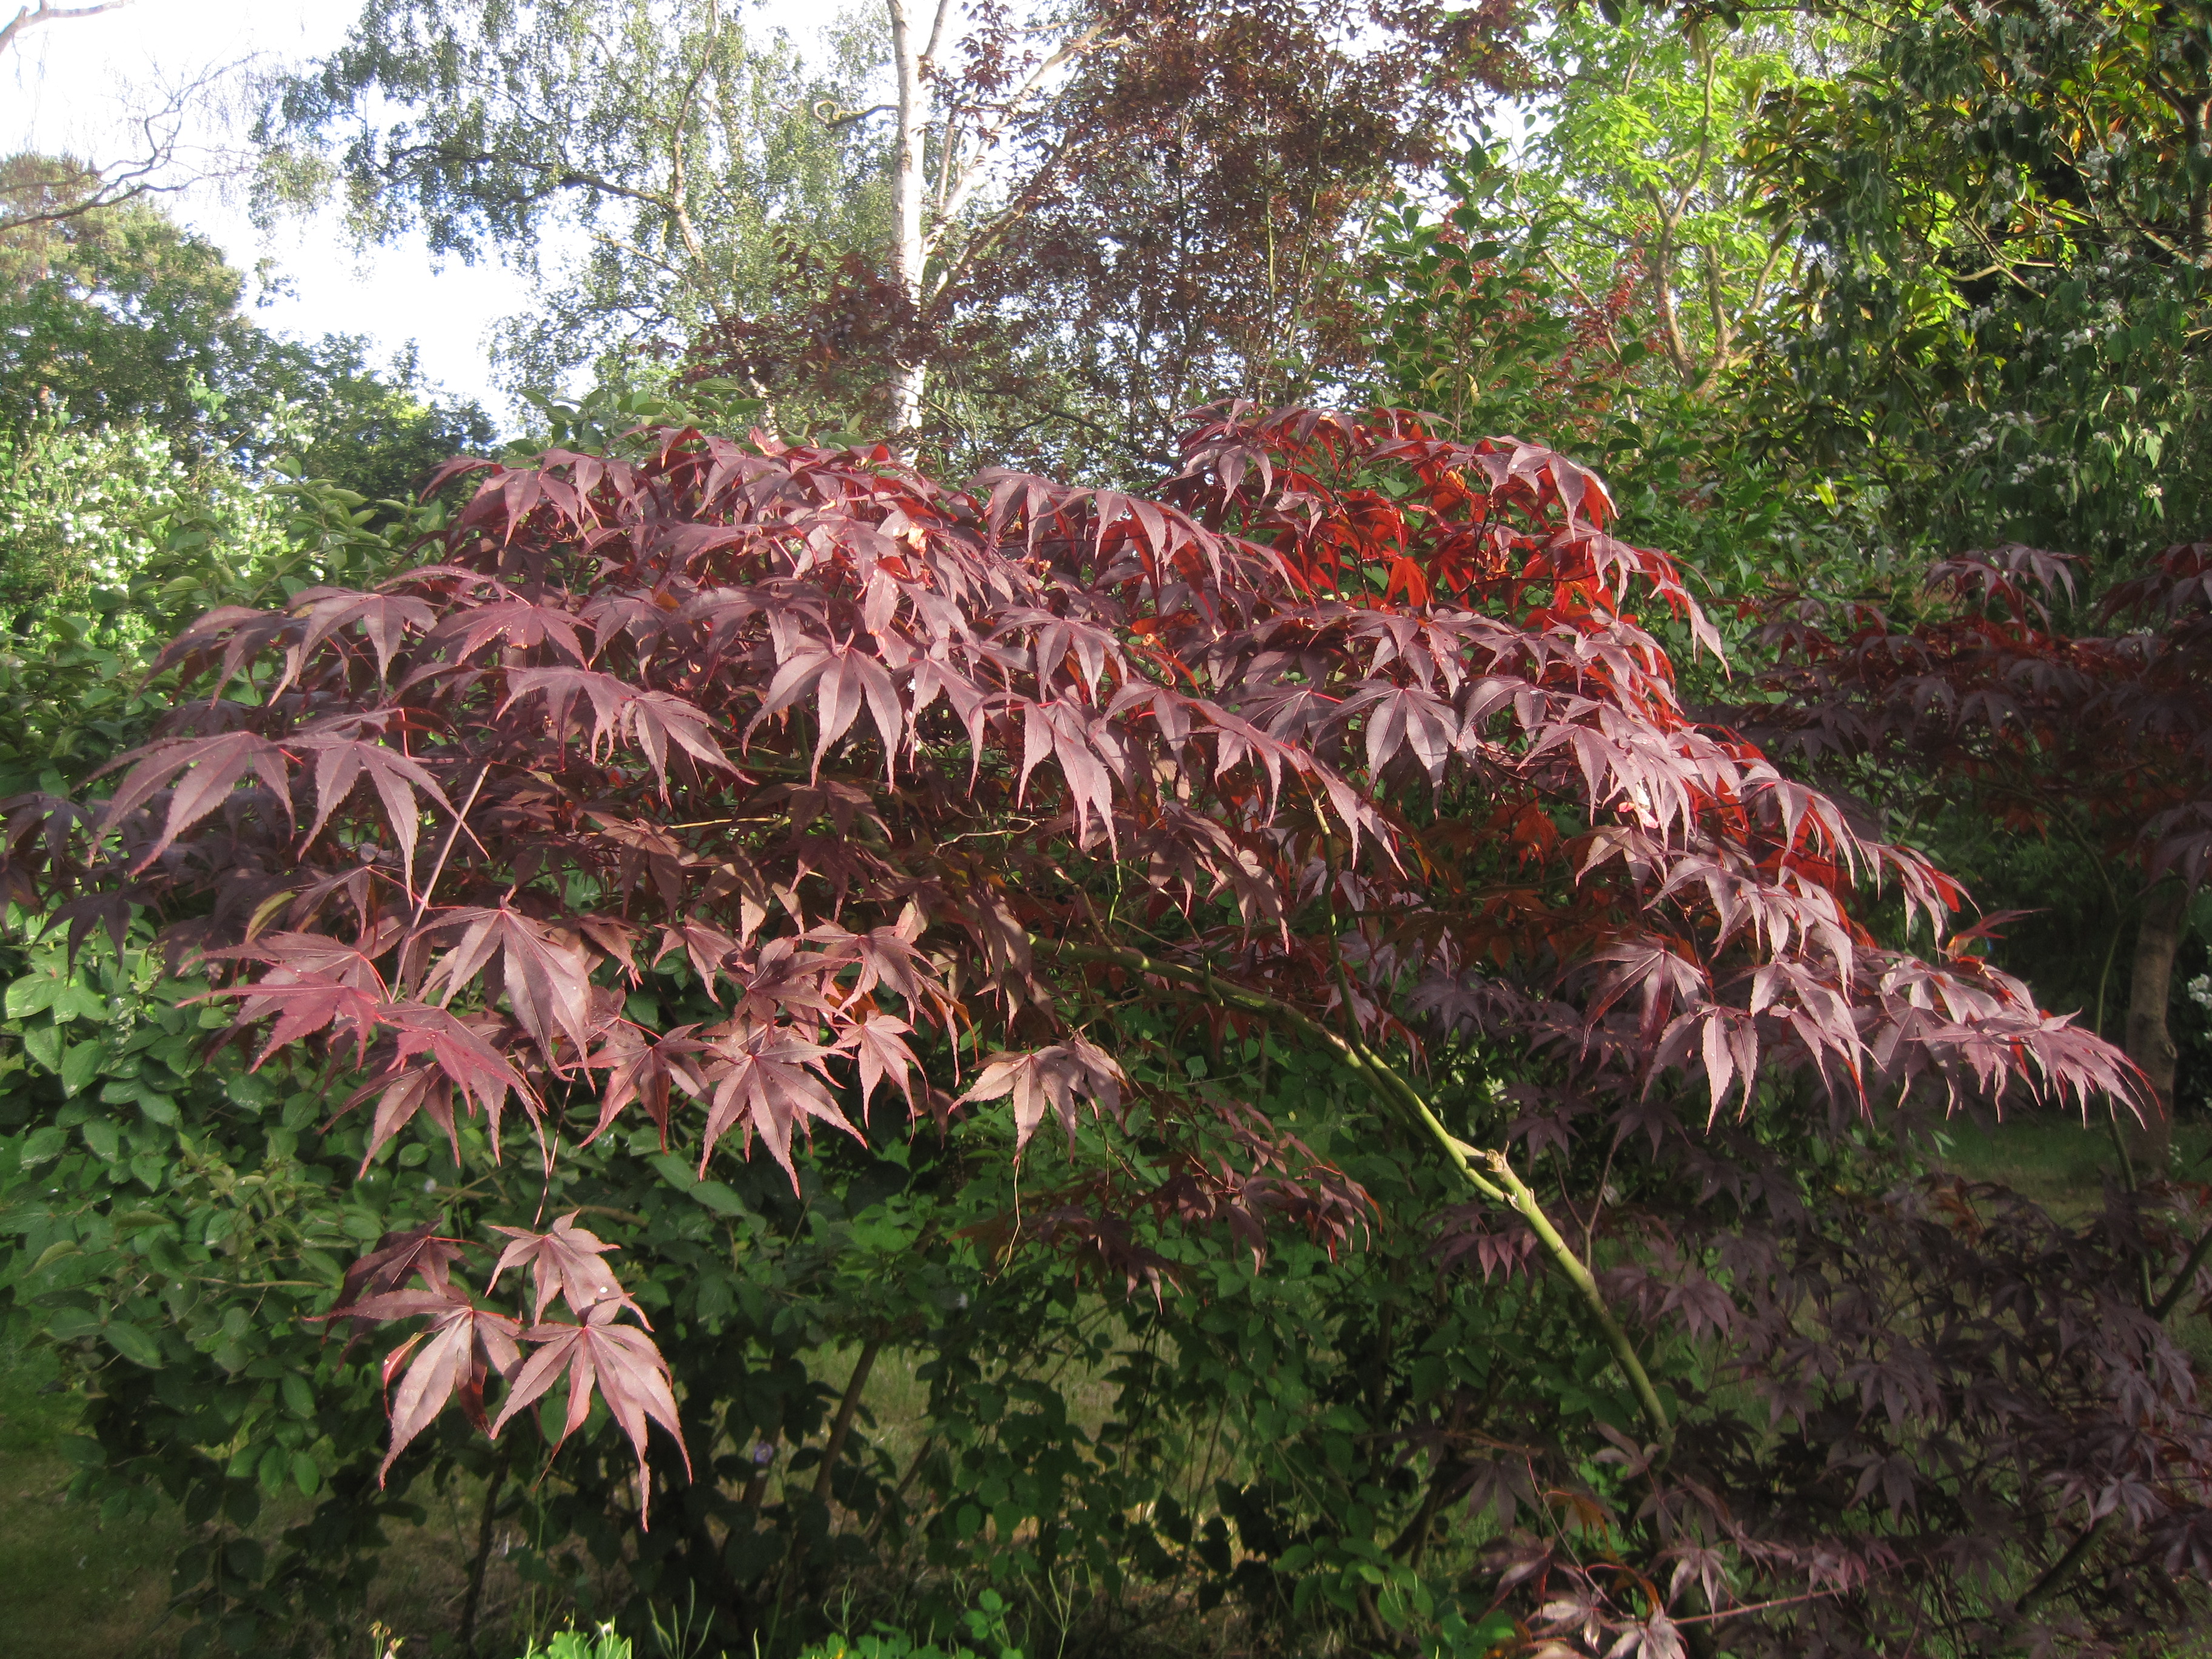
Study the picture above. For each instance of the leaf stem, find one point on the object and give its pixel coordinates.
(1754, 1607)
(2166, 1304)
(446, 851)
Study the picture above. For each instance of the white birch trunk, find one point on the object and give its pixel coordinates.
(909, 248)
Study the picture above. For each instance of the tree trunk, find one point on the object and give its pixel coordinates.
(2149, 1044)
(495, 1483)
(909, 252)
(834, 1448)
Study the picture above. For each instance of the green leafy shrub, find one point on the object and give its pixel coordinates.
(600, 1643)
(984, 1625)
(109, 543)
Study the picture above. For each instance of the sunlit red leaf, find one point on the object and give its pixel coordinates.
(463, 1348)
(617, 1362)
(1058, 1079)
(564, 1262)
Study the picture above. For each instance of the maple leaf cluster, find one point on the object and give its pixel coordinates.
(466, 1344)
(1994, 688)
(1354, 728)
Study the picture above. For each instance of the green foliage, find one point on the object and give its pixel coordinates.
(601, 1643)
(320, 410)
(145, 1194)
(146, 1185)
(112, 543)
(116, 315)
(1636, 180)
(2008, 210)
(118, 318)
(618, 417)
(984, 1625)
(1623, 258)
(677, 152)
(85, 512)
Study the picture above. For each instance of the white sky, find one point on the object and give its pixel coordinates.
(71, 86)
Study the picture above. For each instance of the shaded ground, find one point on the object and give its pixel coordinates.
(72, 1588)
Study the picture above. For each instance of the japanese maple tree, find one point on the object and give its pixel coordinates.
(2059, 717)
(1354, 734)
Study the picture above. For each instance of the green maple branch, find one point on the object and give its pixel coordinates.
(1501, 1185)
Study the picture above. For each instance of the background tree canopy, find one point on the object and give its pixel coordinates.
(655, 165)
(1131, 208)
(115, 316)
(1046, 919)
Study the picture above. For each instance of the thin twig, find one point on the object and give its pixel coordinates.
(446, 852)
(1755, 1607)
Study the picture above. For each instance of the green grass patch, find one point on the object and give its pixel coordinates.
(2059, 1162)
(74, 1587)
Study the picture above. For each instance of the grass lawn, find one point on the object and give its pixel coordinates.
(72, 1589)
(2057, 1161)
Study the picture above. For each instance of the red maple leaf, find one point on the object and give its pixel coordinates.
(618, 1362)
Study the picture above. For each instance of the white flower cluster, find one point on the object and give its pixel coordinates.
(79, 502)
(87, 509)
(1999, 423)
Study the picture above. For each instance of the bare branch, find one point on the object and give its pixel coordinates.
(25, 17)
(99, 187)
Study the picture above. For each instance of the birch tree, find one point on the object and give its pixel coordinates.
(1160, 200)
(971, 134)
(644, 160)
(967, 226)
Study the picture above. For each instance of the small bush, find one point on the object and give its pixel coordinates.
(600, 1643)
(987, 1628)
